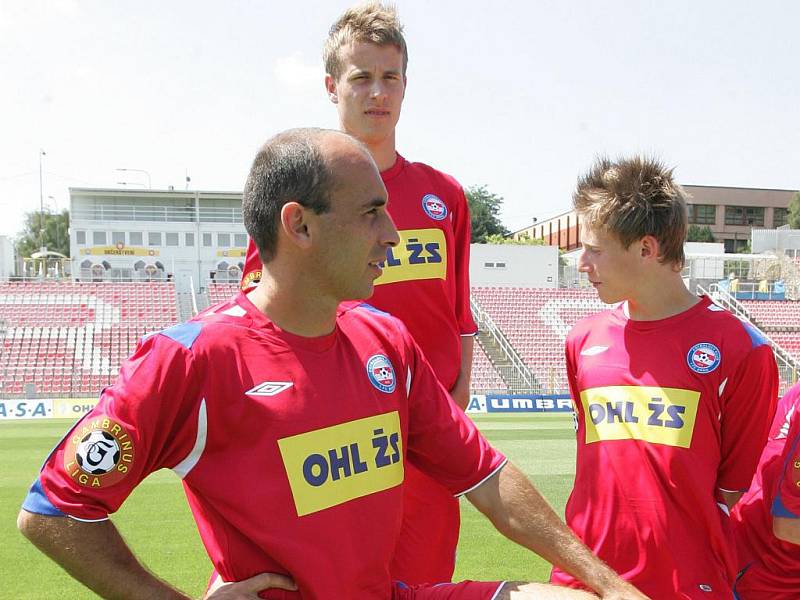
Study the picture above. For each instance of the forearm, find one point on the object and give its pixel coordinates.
(520, 513)
(96, 555)
(786, 529)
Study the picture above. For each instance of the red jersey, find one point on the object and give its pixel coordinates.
(669, 413)
(425, 280)
(771, 567)
(291, 449)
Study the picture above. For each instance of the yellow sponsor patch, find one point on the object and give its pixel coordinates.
(421, 254)
(99, 453)
(331, 466)
(653, 414)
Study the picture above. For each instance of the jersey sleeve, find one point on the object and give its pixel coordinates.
(787, 494)
(145, 421)
(252, 267)
(442, 441)
(462, 233)
(748, 406)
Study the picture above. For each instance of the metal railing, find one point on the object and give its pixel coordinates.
(787, 364)
(486, 324)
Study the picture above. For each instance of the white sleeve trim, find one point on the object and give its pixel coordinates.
(498, 590)
(88, 520)
(729, 491)
(484, 480)
(469, 334)
(187, 464)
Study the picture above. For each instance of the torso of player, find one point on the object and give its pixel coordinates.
(419, 283)
(342, 453)
(648, 428)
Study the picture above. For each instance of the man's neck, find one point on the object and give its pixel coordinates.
(292, 307)
(383, 152)
(661, 301)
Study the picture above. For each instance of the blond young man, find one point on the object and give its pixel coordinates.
(425, 281)
(674, 395)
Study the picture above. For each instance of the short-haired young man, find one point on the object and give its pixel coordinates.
(425, 282)
(673, 394)
(766, 521)
(290, 418)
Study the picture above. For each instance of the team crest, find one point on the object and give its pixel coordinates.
(703, 357)
(99, 453)
(381, 373)
(434, 207)
(251, 279)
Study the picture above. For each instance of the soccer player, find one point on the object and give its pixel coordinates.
(673, 394)
(425, 280)
(291, 417)
(766, 521)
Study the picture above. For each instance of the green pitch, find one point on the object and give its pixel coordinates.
(157, 524)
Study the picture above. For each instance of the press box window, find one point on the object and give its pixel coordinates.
(117, 237)
(172, 238)
(99, 238)
(154, 238)
(240, 240)
(189, 239)
(207, 240)
(224, 240)
(135, 238)
(80, 238)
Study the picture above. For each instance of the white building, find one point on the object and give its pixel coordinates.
(156, 234)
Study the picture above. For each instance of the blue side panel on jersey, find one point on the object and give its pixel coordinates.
(756, 336)
(370, 308)
(184, 333)
(37, 502)
(779, 510)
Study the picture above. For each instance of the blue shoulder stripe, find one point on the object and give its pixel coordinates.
(779, 510)
(756, 337)
(370, 308)
(37, 502)
(184, 333)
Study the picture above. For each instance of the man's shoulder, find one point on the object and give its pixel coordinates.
(435, 176)
(730, 327)
(361, 315)
(593, 322)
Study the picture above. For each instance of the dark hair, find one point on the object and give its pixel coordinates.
(288, 168)
(631, 198)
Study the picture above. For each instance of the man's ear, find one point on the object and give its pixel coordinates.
(330, 87)
(293, 225)
(650, 248)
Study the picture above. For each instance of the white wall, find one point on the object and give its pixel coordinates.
(521, 266)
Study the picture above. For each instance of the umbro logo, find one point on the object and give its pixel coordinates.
(269, 388)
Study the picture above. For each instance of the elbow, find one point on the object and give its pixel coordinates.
(25, 523)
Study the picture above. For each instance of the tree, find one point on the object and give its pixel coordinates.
(484, 207)
(523, 240)
(699, 234)
(55, 235)
(794, 211)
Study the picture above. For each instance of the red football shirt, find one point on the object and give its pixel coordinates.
(291, 449)
(771, 566)
(425, 281)
(668, 413)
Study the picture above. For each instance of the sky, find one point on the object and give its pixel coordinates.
(519, 96)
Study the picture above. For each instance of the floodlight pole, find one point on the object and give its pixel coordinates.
(41, 203)
(149, 182)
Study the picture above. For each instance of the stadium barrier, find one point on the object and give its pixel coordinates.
(519, 403)
(46, 408)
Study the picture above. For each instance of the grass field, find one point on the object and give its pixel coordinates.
(157, 524)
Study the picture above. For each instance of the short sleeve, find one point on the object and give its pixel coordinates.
(787, 494)
(462, 234)
(442, 441)
(748, 406)
(145, 421)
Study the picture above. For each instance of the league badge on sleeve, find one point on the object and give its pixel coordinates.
(99, 453)
(434, 207)
(381, 373)
(703, 357)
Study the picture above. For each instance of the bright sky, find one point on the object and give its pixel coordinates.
(519, 95)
